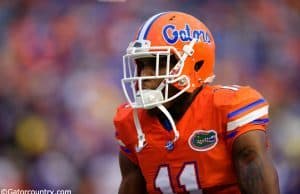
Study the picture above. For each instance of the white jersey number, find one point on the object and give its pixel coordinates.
(187, 179)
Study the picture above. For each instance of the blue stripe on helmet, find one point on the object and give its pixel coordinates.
(146, 27)
(140, 31)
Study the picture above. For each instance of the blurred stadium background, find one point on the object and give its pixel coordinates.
(60, 70)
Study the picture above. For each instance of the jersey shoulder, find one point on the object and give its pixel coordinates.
(242, 108)
(123, 113)
(124, 124)
(232, 96)
(125, 131)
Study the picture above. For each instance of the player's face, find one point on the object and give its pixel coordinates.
(147, 67)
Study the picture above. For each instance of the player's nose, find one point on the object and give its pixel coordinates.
(149, 70)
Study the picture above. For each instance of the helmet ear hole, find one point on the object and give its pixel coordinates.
(198, 65)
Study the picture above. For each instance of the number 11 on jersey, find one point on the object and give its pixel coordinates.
(187, 179)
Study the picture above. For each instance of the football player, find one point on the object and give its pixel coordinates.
(178, 133)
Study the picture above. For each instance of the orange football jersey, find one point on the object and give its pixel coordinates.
(201, 158)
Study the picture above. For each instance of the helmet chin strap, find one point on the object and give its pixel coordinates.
(169, 117)
(141, 136)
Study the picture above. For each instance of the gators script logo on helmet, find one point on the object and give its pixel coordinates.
(169, 34)
(172, 35)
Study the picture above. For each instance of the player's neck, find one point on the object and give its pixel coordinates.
(182, 103)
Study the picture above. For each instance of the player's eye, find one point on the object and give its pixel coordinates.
(141, 63)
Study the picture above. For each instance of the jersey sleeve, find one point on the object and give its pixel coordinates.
(243, 109)
(124, 133)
